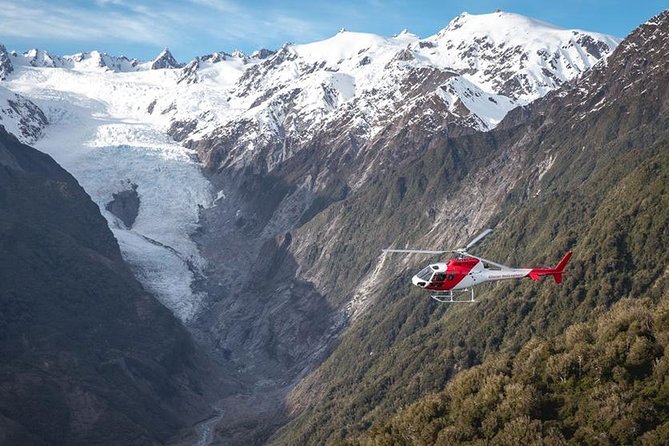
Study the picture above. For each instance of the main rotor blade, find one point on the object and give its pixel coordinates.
(478, 238)
(414, 251)
(499, 265)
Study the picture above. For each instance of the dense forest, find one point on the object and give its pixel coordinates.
(604, 381)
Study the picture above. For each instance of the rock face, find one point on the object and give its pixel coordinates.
(88, 356)
(5, 63)
(262, 53)
(21, 117)
(125, 205)
(164, 60)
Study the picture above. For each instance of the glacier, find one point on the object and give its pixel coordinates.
(98, 130)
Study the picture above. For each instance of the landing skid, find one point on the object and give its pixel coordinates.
(447, 297)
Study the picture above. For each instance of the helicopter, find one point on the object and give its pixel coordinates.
(462, 273)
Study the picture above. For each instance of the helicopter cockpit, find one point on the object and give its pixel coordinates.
(428, 274)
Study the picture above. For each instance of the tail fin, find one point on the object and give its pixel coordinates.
(560, 266)
(556, 272)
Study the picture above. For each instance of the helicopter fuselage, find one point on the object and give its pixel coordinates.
(463, 273)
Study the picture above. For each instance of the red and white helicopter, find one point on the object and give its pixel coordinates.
(462, 273)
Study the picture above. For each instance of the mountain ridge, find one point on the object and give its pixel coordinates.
(342, 86)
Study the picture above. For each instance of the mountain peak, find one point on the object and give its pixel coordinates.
(650, 38)
(659, 19)
(644, 53)
(6, 66)
(490, 22)
(164, 60)
(262, 53)
(405, 34)
(524, 58)
(457, 22)
(96, 60)
(41, 58)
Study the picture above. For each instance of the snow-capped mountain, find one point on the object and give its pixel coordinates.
(469, 75)
(86, 61)
(513, 55)
(92, 60)
(164, 60)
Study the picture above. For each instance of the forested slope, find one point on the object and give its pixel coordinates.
(606, 378)
(587, 168)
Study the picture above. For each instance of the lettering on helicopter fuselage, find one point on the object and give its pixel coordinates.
(505, 276)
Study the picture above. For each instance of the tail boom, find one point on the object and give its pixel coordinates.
(538, 273)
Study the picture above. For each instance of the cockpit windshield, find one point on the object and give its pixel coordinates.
(425, 274)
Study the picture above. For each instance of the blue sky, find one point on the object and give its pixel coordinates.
(141, 28)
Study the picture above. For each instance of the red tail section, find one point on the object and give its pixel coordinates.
(556, 272)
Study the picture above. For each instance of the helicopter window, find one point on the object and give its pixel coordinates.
(425, 273)
(439, 277)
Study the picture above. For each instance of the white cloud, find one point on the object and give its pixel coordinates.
(193, 24)
(36, 19)
(218, 5)
(237, 23)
